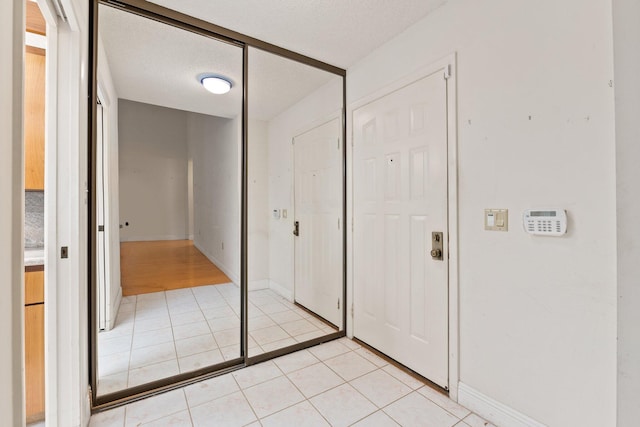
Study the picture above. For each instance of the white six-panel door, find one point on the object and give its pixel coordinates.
(318, 210)
(400, 198)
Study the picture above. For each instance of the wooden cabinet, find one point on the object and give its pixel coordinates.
(34, 74)
(34, 344)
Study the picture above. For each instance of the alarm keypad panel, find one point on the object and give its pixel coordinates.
(545, 222)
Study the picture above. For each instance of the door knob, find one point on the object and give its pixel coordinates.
(437, 245)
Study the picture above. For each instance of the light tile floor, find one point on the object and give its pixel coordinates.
(165, 333)
(334, 384)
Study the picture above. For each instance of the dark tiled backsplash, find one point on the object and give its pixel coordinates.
(34, 219)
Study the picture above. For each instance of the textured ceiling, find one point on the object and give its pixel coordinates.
(339, 32)
(158, 64)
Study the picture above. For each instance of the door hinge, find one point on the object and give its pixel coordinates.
(447, 71)
(351, 309)
(338, 303)
(338, 223)
(101, 228)
(338, 143)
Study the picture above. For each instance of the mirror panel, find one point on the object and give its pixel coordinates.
(295, 202)
(168, 202)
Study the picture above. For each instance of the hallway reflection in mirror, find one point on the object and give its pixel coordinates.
(168, 205)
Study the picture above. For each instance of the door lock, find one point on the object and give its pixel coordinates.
(437, 245)
(296, 228)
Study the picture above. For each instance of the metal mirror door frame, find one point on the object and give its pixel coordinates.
(215, 32)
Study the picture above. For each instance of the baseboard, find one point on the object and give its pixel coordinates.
(256, 285)
(281, 290)
(152, 238)
(492, 410)
(231, 275)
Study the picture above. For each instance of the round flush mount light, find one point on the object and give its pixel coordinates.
(215, 83)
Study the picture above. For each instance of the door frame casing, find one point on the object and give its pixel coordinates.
(448, 67)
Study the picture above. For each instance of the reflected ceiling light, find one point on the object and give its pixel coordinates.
(215, 83)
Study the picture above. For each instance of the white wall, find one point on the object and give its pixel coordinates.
(627, 91)
(320, 105)
(11, 215)
(535, 129)
(259, 213)
(153, 172)
(214, 147)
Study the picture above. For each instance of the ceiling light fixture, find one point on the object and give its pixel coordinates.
(215, 83)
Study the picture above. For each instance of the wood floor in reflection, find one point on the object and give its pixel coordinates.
(165, 265)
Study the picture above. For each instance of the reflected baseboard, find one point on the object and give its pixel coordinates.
(257, 285)
(126, 239)
(281, 290)
(226, 270)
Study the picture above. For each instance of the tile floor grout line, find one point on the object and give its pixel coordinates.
(440, 406)
(224, 297)
(378, 408)
(133, 332)
(349, 382)
(246, 400)
(175, 347)
(184, 391)
(213, 335)
(459, 421)
(291, 382)
(305, 398)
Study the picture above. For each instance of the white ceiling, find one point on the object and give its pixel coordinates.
(158, 64)
(339, 32)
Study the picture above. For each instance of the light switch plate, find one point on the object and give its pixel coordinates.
(496, 219)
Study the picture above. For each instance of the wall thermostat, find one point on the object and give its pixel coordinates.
(545, 222)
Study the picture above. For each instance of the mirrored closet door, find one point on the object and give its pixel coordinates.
(296, 191)
(168, 201)
(217, 201)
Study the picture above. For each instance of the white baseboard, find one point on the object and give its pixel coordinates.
(231, 275)
(281, 290)
(492, 410)
(256, 285)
